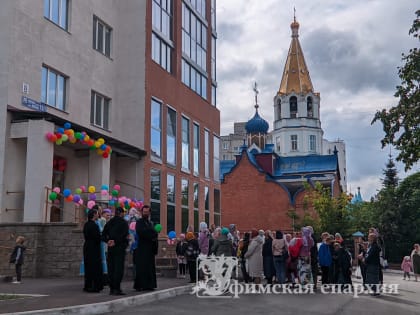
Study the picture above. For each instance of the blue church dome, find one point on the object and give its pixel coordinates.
(256, 124)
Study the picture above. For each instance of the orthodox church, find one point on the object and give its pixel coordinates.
(264, 182)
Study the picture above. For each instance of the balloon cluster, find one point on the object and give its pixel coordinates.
(68, 134)
(171, 238)
(112, 196)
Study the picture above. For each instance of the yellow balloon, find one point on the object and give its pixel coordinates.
(101, 140)
(91, 189)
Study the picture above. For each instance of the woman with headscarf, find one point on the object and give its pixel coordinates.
(203, 239)
(267, 253)
(415, 260)
(280, 255)
(372, 263)
(304, 261)
(254, 256)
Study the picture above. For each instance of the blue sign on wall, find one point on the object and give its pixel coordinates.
(38, 106)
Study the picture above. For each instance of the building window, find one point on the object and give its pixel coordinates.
(278, 144)
(216, 206)
(170, 208)
(309, 107)
(213, 58)
(196, 217)
(156, 129)
(199, 6)
(53, 88)
(293, 107)
(185, 143)
(99, 110)
(101, 37)
(278, 109)
(57, 12)
(171, 137)
(206, 205)
(312, 143)
(294, 143)
(206, 154)
(184, 204)
(213, 95)
(162, 34)
(196, 130)
(216, 158)
(155, 195)
(194, 49)
(213, 14)
(225, 145)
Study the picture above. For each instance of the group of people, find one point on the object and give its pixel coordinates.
(105, 247)
(412, 263)
(285, 258)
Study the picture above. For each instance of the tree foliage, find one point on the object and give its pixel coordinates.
(334, 215)
(401, 123)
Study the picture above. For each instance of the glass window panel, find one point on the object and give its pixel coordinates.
(216, 201)
(44, 85)
(155, 212)
(203, 87)
(54, 11)
(47, 8)
(155, 114)
(171, 150)
(163, 56)
(100, 37)
(108, 42)
(60, 92)
(98, 111)
(195, 195)
(106, 114)
(184, 192)
(52, 82)
(207, 217)
(184, 219)
(63, 14)
(206, 198)
(170, 188)
(95, 24)
(155, 184)
(170, 218)
(196, 161)
(92, 108)
(169, 58)
(156, 15)
(195, 220)
(155, 142)
(185, 156)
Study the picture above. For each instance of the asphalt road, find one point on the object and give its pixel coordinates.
(407, 301)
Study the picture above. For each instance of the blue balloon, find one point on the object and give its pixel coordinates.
(172, 235)
(66, 192)
(111, 202)
(76, 198)
(60, 130)
(104, 187)
(67, 125)
(103, 147)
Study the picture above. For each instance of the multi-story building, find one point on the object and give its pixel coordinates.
(141, 75)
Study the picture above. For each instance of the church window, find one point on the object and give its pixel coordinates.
(294, 142)
(278, 147)
(293, 107)
(312, 143)
(309, 107)
(278, 109)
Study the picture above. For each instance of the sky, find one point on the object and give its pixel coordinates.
(352, 50)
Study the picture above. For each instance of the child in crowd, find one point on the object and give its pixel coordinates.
(181, 247)
(406, 267)
(16, 258)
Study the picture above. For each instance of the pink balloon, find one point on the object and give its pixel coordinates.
(83, 188)
(133, 226)
(90, 204)
(57, 190)
(81, 202)
(117, 187)
(104, 192)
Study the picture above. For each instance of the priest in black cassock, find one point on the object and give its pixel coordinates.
(146, 250)
(92, 254)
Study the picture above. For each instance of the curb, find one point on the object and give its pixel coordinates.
(114, 305)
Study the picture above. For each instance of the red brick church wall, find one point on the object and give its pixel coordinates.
(249, 201)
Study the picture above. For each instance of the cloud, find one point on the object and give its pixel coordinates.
(229, 32)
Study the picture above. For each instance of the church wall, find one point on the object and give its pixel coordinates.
(249, 201)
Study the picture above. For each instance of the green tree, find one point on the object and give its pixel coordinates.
(401, 123)
(390, 172)
(334, 215)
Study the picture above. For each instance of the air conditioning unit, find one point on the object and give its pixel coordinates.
(25, 88)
